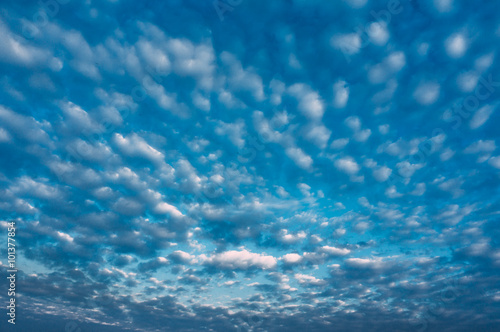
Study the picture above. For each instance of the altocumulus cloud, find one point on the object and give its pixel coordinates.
(244, 165)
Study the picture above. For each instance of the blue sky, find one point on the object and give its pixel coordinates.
(252, 166)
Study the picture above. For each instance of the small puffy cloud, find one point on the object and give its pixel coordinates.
(426, 93)
(378, 33)
(354, 123)
(453, 187)
(318, 134)
(4, 135)
(179, 256)
(304, 189)
(23, 126)
(309, 280)
(165, 208)
(481, 116)
(348, 44)
(392, 192)
(495, 162)
(381, 174)
(419, 189)
(339, 232)
(300, 158)
(407, 169)
(65, 237)
(291, 258)
(347, 165)
(234, 131)
(456, 45)
(288, 238)
(340, 94)
(128, 206)
(453, 214)
(135, 146)
(339, 143)
(383, 129)
(481, 146)
(376, 263)
(401, 147)
(245, 79)
(243, 260)
(446, 154)
(310, 103)
(333, 251)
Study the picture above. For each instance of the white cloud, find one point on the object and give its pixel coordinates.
(292, 258)
(278, 88)
(339, 143)
(456, 45)
(400, 148)
(135, 146)
(381, 174)
(240, 260)
(299, 157)
(14, 50)
(481, 116)
(377, 263)
(481, 146)
(392, 192)
(27, 186)
(419, 189)
(128, 206)
(453, 187)
(234, 131)
(348, 44)
(495, 162)
(24, 126)
(332, 251)
(4, 135)
(383, 129)
(443, 6)
(453, 214)
(347, 165)
(165, 208)
(318, 134)
(309, 280)
(304, 189)
(406, 169)
(65, 237)
(310, 103)
(183, 257)
(353, 122)
(447, 154)
(426, 93)
(243, 79)
(362, 135)
(340, 94)
(287, 238)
